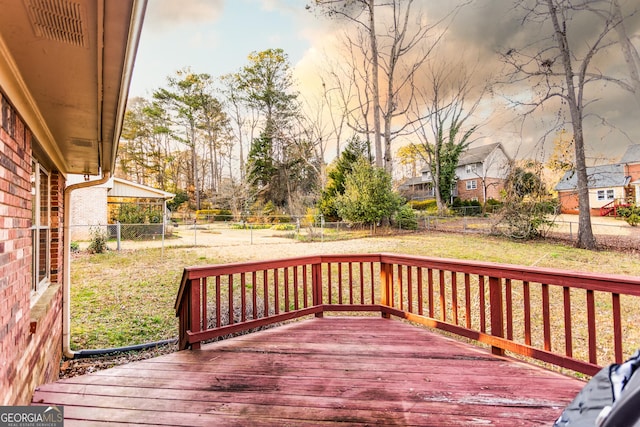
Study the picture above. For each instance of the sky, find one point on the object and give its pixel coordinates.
(215, 37)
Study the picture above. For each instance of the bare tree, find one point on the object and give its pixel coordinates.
(561, 66)
(393, 39)
(440, 114)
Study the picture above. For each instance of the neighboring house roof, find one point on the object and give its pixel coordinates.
(122, 188)
(605, 176)
(474, 155)
(66, 67)
(477, 154)
(632, 155)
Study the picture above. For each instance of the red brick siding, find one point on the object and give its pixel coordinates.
(568, 202)
(633, 171)
(494, 186)
(26, 359)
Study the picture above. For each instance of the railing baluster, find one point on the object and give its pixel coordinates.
(483, 305)
(430, 289)
(305, 282)
(420, 296)
(265, 286)
(254, 294)
(276, 290)
(546, 317)
(526, 300)
(218, 303)
(362, 283)
(400, 288)
(329, 284)
(230, 285)
(443, 303)
(295, 287)
(203, 295)
(617, 327)
(467, 299)
(286, 289)
(350, 283)
(243, 297)
(568, 336)
(454, 296)
(339, 283)
(409, 289)
(373, 286)
(509, 306)
(591, 326)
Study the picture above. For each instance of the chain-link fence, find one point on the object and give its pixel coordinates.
(225, 231)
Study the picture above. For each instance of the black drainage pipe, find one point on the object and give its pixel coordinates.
(106, 351)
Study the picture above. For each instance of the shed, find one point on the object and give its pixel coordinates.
(101, 205)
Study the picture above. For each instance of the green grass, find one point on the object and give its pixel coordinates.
(126, 298)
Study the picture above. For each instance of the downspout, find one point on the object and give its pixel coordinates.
(66, 289)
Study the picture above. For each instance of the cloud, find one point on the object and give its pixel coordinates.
(171, 13)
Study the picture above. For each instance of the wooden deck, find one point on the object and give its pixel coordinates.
(321, 371)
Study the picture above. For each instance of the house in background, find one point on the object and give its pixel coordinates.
(480, 175)
(610, 186)
(65, 68)
(99, 204)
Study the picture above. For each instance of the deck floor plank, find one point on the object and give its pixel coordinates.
(357, 371)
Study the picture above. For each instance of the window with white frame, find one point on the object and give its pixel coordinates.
(607, 194)
(41, 228)
(471, 168)
(472, 184)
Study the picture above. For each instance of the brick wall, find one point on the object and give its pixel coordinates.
(494, 186)
(30, 334)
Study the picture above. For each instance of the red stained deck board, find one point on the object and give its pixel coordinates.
(358, 371)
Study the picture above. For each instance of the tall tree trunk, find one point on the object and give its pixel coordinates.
(586, 238)
(375, 85)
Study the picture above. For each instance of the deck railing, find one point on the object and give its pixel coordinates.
(569, 319)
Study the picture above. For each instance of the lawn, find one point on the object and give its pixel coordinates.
(126, 298)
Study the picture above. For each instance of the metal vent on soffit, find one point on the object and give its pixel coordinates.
(58, 20)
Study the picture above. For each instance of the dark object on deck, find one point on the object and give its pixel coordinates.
(610, 399)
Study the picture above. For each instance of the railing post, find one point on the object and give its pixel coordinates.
(316, 286)
(195, 321)
(497, 315)
(385, 285)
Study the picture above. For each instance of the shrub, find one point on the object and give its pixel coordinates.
(424, 205)
(75, 246)
(406, 218)
(214, 214)
(98, 243)
(631, 214)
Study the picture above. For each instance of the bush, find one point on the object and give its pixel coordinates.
(283, 227)
(75, 246)
(98, 243)
(406, 218)
(214, 214)
(424, 205)
(631, 214)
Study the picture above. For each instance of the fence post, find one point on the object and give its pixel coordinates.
(195, 320)
(118, 235)
(497, 316)
(316, 285)
(385, 284)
